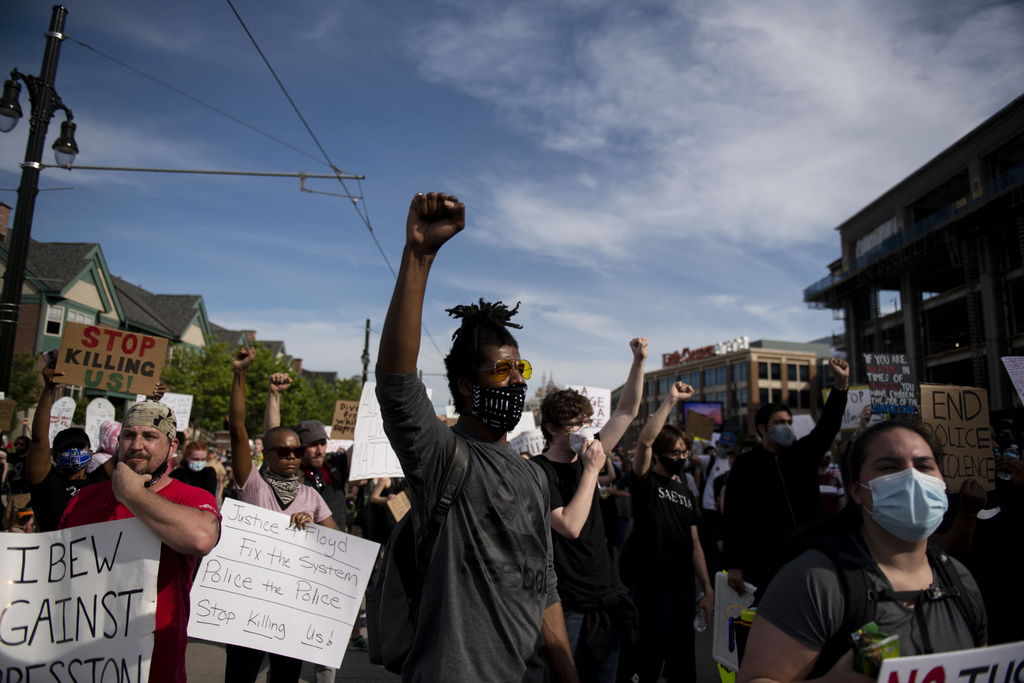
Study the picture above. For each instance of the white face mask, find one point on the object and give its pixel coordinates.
(581, 439)
(782, 435)
(197, 465)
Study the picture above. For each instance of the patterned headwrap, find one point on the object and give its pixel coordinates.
(151, 414)
(109, 433)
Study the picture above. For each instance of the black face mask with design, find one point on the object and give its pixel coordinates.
(500, 408)
(672, 465)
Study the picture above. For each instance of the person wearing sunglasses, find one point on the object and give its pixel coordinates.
(279, 488)
(663, 555)
(489, 600)
(587, 583)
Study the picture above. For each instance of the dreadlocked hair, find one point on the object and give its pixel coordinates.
(483, 324)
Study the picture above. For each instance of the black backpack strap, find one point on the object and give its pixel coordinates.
(452, 479)
(952, 586)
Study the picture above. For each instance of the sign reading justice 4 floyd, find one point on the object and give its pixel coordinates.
(79, 604)
(109, 359)
(275, 588)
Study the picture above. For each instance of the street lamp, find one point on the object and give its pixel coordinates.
(45, 102)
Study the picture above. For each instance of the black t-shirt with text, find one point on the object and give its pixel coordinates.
(663, 518)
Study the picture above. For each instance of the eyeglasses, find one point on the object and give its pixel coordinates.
(675, 455)
(285, 453)
(571, 427)
(503, 368)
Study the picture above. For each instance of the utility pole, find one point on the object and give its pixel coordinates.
(366, 351)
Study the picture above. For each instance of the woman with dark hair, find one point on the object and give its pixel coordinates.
(897, 498)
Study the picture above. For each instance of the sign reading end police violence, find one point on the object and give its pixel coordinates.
(110, 360)
(958, 418)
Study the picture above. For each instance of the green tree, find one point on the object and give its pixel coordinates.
(205, 374)
(25, 385)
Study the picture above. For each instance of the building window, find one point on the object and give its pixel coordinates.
(762, 371)
(739, 372)
(54, 320)
(663, 384)
(791, 372)
(765, 396)
(709, 378)
(805, 398)
(805, 373)
(721, 375)
(76, 317)
(776, 371)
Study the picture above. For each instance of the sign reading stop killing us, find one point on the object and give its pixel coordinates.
(272, 587)
(110, 360)
(79, 604)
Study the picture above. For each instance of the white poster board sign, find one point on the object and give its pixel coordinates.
(275, 588)
(372, 455)
(531, 442)
(996, 663)
(526, 424)
(61, 413)
(601, 399)
(803, 425)
(728, 605)
(181, 404)
(98, 411)
(857, 398)
(80, 603)
(1015, 368)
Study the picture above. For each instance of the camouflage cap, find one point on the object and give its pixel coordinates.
(151, 414)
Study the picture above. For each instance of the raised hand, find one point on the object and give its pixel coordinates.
(680, 391)
(434, 218)
(280, 381)
(840, 373)
(243, 358)
(639, 348)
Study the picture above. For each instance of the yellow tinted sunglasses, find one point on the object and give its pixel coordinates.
(503, 368)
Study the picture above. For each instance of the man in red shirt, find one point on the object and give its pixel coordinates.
(183, 517)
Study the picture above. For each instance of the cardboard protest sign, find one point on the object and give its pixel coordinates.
(1015, 368)
(272, 587)
(958, 417)
(61, 413)
(80, 603)
(699, 425)
(728, 605)
(891, 383)
(998, 663)
(109, 359)
(531, 442)
(343, 426)
(181, 404)
(98, 411)
(399, 505)
(601, 400)
(6, 414)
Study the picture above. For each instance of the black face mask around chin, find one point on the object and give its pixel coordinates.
(156, 474)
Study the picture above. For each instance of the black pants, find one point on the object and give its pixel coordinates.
(243, 664)
(666, 632)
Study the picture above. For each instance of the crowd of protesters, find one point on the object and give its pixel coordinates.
(586, 562)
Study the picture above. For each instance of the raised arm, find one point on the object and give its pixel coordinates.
(569, 519)
(629, 400)
(642, 460)
(37, 465)
(433, 220)
(279, 382)
(241, 458)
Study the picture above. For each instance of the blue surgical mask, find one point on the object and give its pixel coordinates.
(782, 435)
(197, 465)
(908, 504)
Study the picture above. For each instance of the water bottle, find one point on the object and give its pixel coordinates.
(700, 620)
(1011, 451)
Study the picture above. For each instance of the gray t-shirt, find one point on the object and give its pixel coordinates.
(806, 601)
(492, 575)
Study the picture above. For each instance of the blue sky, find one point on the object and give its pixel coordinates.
(667, 169)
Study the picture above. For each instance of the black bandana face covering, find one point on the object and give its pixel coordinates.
(500, 408)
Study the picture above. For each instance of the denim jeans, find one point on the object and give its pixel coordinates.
(606, 669)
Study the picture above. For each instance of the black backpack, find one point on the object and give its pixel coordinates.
(393, 595)
(860, 600)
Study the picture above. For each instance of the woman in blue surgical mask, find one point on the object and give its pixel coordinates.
(897, 499)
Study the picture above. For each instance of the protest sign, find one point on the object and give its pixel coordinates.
(995, 664)
(343, 426)
(1015, 368)
(601, 400)
(181, 404)
(531, 442)
(109, 359)
(699, 426)
(98, 411)
(526, 424)
(958, 418)
(803, 425)
(728, 605)
(372, 455)
(61, 412)
(6, 414)
(891, 383)
(399, 505)
(857, 399)
(274, 588)
(80, 604)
